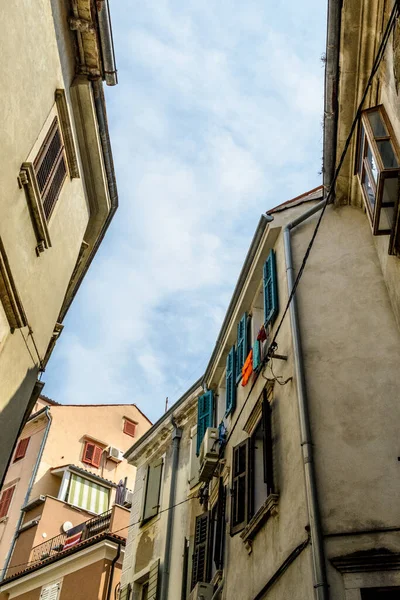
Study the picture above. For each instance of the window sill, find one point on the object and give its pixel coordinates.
(269, 508)
(4, 519)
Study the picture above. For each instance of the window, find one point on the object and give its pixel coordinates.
(230, 381)
(209, 541)
(152, 489)
(241, 346)
(390, 593)
(51, 168)
(205, 416)
(21, 449)
(377, 168)
(87, 494)
(252, 472)
(270, 290)
(125, 592)
(129, 427)
(5, 501)
(50, 592)
(92, 454)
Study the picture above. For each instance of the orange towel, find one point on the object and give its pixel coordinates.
(247, 368)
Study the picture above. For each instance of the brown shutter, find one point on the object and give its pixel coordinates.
(267, 444)
(152, 490)
(97, 456)
(129, 428)
(21, 449)
(88, 453)
(240, 486)
(199, 565)
(5, 500)
(153, 581)
(50, 168)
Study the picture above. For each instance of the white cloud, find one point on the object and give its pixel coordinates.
(216, 118)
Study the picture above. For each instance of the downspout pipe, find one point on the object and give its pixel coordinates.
(112, 569)
(46, 410)
(176, 440)
(317, 541)
(106, 41)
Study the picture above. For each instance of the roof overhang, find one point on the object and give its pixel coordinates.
(59, 472)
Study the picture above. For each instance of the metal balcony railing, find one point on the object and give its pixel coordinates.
(55, 545)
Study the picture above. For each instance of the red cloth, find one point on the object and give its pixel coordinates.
(72, 540)
(247, 368)
(262, 334)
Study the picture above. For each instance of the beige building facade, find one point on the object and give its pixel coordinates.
(297, 415)
(57, 179)
(67, 478)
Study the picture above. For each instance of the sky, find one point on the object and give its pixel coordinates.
(217, 117)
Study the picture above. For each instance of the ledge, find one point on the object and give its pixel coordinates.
(269, 508)
(28, 180)
(9, 295)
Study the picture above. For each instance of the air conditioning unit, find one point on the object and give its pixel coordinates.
(128, 499)
(201, 591)
(115, 454)
(209, 453)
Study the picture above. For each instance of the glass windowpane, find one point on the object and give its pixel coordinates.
(368, 190)
(387, 154)
(372, 163)
(377, 124)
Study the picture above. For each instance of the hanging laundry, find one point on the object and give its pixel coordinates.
(262, 334)
(247, 368)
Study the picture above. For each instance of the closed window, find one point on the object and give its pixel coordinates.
(50, 592)
(152, 490)
(5, 501)
(51, 168)
(252, 472)
(205, 416)
(230, 381)
(92, 454)
(377, 168)
(21, 449)
(87, 494)
(270, 289)
(389, 593)
(200, 564)
(129, 427)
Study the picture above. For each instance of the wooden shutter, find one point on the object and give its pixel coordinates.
(125, 592)
(256, 355)
(5, 501)
(270, 289)
(21, 449)
(230, 382)
(199, 565)
(50, 168)
(129, 427)
(92, 454)
(153, 581)
(152, 490)
(267, 444)
(205, 416)
(220, 527)
(240, 486)
(241, 346)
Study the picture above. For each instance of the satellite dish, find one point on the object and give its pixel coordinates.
(66, 526)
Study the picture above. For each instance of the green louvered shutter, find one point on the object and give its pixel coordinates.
(153, 581)
(270, 289)
(256, 355)
(241, 346)
(230, 382)
(205, 413)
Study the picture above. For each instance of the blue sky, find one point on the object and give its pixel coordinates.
(216, 118)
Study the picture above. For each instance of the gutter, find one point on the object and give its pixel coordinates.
(255, 242)
(111, 577)
(176, 440)
(100, 106)
(106, 41)
(317, 542)
(331, 92)
(30, 486)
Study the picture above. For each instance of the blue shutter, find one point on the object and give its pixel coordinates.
(241, 346)
(205, 410)
(256, 355)
(270, 290)
(230, 382)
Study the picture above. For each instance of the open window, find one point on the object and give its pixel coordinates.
(377, 168)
